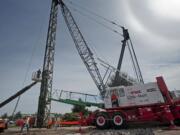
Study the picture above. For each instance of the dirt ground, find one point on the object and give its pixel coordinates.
(93, 131)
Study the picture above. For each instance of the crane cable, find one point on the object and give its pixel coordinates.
(133, 62)
(95, 14)
(73, 5)
(25, 78)
(96, 21)
(29, 65)
(93, 19)
(135, 58)
(132, 53)
(93, 48)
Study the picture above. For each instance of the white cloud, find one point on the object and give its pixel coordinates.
(170, 72)
(132, 20)
(166, 8)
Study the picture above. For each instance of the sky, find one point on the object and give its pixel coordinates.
(153, 26)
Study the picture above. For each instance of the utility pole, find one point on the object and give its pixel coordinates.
(44, 104)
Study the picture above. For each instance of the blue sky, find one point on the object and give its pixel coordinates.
(153, 27)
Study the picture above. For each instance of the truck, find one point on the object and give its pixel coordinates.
(3, 125)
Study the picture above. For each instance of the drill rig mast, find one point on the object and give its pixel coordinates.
(44, 104)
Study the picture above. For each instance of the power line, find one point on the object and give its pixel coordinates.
(29, 65)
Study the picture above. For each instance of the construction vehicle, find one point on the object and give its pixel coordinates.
(3, 125)
(138, 106)
(76, 98)
(141, 108)
(20, 92)
(36, 77)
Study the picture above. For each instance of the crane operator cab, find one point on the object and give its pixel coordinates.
(37, 76)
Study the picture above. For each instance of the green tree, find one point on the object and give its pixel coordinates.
(18, 115)
(5, 115)
(10, 117)
(69, 117)
(79, 108)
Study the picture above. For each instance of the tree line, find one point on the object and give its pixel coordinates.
(18, 115)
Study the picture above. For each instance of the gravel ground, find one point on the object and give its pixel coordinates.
(93, 131)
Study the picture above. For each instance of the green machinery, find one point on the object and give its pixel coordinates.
(76, 98)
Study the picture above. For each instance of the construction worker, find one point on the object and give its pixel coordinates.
(114, 99)
(39, 73)
(26, 122)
